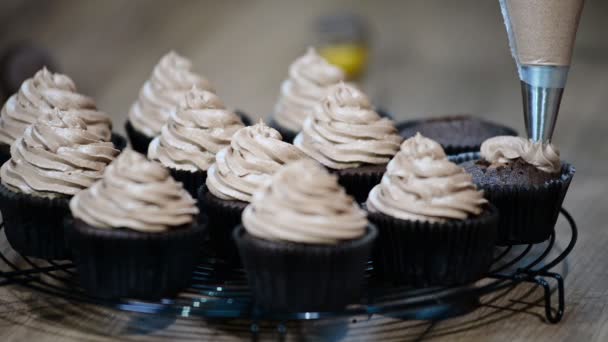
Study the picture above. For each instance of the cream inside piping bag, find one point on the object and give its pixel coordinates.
(541, 35)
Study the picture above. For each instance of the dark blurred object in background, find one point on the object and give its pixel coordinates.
(20, 61)
(344, 42)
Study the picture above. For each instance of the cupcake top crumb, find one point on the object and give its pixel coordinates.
(503, 150)
(199, 128)
(44, 93)
(136, 194)
(420, 183)
(171, 79)
(303, 203)
(345, 132)
(309, 78)
(254, 155)
(56, 155)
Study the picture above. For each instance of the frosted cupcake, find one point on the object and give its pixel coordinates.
(347, 136)
(309, 77)
(254, 155)
(526, 181)
(135, 232)
(42, 94)
(304, 242)
(199, 128)
(54, 159)
(171, 79)
(435, 227)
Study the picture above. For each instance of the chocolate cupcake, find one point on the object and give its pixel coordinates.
(54, 159)
(526, 181)
(457, 133)
(305, 243)
(434, 226)
(134, 233)
(43, 94)
(347, 136)
(254, 155)
(309, 78)
(199, 128)
(171, 79)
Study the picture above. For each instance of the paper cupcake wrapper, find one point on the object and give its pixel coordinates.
(358, 182)
(118, 263)
(424, 254)
(453, 149)
(192, 181)
(223, 217)
(5, 153)
(287, 134)
(139, 141)
(119, 141)
(291, 277)
(527, 213)
(34, 225)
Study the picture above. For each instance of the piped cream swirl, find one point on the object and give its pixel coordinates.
(303, 203)
(137, 194)
(503, 149)
(420, 183)
(255, 153)
(345, 132)
(309, 78)
(56, 155)
(171, 79)
(199, 128)
(41, 95)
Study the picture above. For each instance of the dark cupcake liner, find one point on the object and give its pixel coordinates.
(139, 141)
(453, 149)
(34, 225)
(118, 263)
(291, 277)
(119, 141)
(192, 181)
(358, 182)
(421, 254)
(244, 117)
(287, 134)
(5, 153)
(223, 217)
(528, 214)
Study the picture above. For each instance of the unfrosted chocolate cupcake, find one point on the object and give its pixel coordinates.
(456, 134)
(171, 79)
(134, 232)
(305, 243)
(54, 159)
(44, 93)
(347, 136)
(309, 77)
(434, 226)
(199, 128)
(526, 181)
(254, 155)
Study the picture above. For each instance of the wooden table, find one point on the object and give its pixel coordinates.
(429, 57)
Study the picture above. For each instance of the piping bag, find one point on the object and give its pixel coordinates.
(541, 36)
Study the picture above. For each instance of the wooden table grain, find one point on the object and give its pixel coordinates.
(429, 58)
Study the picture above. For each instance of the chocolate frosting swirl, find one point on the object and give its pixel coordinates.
(255, 153)
(503, 149)
(309, 78)
(345, 132)
(199, 128)
(422, 184)
(42, 94)
(56, 155)
(303, 203)
(171, 79)
(137, 194)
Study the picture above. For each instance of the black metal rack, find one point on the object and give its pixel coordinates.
(218, 291)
